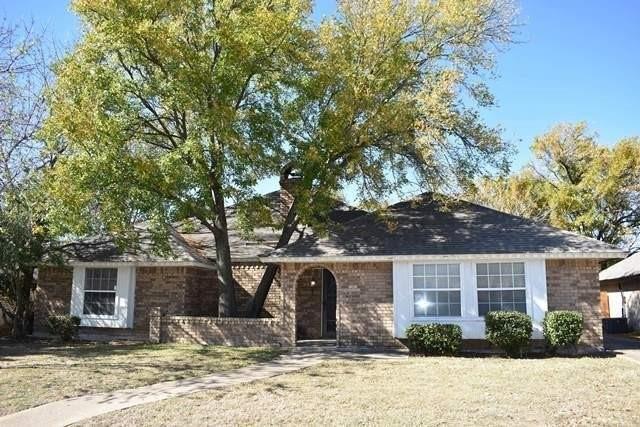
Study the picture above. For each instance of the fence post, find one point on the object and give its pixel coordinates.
(155, 325)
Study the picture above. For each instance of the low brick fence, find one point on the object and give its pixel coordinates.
(232, 331)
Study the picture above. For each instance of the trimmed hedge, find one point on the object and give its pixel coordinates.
(64, 326)
(508, 330)
(562, 328)
(434, 339)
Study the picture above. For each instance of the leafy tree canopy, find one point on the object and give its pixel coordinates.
(575, 183)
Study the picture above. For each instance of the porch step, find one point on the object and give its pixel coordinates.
(316, 343)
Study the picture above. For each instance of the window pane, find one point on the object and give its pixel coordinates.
(418, 270)
(99, 303)
(443, 309)
(443, 282)
(518, 267)
(483, 296)
(441, 269)
(483, 308)
(494, 268)
(507, 281)
(101, 279)
(518, 281)
(494, 281)
(418, 283)
(506, 268)
(454, 269)
(519, 296)
(454, 282)
(431, 297)
(481, 269)
(430, 282)
(432, 311)
(454, 296)
(420, 304)
(443, 297)
(454, 310)
(430, 270)
(483, 282)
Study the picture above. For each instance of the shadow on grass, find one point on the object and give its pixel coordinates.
(180, 357)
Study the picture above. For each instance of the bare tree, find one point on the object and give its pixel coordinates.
(24, 76)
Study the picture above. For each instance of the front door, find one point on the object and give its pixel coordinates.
(329, 296)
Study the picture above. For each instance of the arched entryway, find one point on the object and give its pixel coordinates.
(316, 303)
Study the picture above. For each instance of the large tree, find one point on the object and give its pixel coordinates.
(24, 238)
(575, 183)
(391, 103)
(172, 109)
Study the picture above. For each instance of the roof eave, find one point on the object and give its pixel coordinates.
(419, 257)
(99, 264)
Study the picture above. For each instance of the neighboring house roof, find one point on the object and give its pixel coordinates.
(628, 267)
(431, 226)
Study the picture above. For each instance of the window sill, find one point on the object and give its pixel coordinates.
(448, 318)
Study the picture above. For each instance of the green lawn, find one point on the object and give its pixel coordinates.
(432, 391)
(37, 372)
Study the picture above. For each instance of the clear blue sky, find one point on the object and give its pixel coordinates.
(576, 60)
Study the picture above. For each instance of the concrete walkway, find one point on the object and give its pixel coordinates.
(69, 411)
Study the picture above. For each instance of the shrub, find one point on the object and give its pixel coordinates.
(509, 331)
(562, 328)
(64, 326)
(434, 339)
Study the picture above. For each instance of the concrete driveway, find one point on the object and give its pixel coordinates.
(623, 344)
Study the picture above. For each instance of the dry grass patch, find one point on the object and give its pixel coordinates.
(432, 391)
(37, 372)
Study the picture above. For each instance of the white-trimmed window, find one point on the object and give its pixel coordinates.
(103, 296)
(100, 286)
(501, 286)
(436, 290)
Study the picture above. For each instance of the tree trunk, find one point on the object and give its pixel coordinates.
(23, 301)
(227, 297)
(257, 302)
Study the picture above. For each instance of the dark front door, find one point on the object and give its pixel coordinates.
(329, 296)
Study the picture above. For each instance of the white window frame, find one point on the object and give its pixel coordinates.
(99, 291)
(524, 287)
(124, 301)
(413, 290)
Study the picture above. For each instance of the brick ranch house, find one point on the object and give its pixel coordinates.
(362, 283)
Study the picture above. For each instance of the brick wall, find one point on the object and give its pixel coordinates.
(364, 301)
(53, 294)
(247, 277)
(201, 292)
(224, 331)
(573, 285)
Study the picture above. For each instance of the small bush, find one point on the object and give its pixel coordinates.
(64, 326)
(509, 331)
(562, 328)
(434, 339)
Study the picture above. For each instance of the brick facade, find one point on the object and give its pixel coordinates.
(53, 294)
(247, 277)
(573, 285)
(176, 290)
(364, 301)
